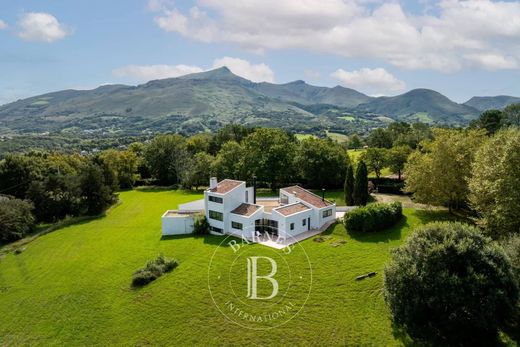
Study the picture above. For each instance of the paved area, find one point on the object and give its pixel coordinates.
(281, 244)
(197, 205)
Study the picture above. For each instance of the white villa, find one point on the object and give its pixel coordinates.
(232, 208)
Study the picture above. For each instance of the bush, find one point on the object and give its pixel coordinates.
(201, 225)
(153, 270)
(450, 285)
(373, 217)
(16, 219)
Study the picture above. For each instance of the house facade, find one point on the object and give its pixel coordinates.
(232, 208)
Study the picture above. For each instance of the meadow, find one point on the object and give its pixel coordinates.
(73, 286)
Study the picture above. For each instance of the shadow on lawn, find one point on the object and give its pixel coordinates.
(207, 239)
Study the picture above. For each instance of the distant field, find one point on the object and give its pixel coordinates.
(347, 118)
(337, 137)
(422, 117)
(304, 136)
(72, 287)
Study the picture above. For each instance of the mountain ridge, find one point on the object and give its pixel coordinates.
(206, 100)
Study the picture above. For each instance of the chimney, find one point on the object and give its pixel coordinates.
(213, 182)
(254, 189)
(322, 194)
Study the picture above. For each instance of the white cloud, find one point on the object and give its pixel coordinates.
(374, 81)
(3, 24)
(253, 72)
(39, 26)
(154, 72)
(454, 35)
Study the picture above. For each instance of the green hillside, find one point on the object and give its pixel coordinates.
(483, 103)
(72, 286)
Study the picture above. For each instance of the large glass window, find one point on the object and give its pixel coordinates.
(216, 230)
(216, 215)
(236, 225)
(327, 213)
(215, 199)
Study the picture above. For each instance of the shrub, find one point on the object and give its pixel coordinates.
(450, 285)
(373, 217)
(16, 219)
(153, 270)
(201, 225)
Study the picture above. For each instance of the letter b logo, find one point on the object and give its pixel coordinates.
(253, 277)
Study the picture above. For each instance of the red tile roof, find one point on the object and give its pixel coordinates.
(225, 186)
(246, 209)
(308, 197)
(292, 209)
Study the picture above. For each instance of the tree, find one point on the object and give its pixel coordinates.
(166, 158)
(321, 163)
(438, 173)
(349, 185)
(418, 133)
(229, 162)
(201, 225)
(230, 132)
(269, 154)
(96, 194)
(396, 158)
(512, 115)
(375, 159)
(198, 171)
(17, 171)
(379, 138)
(490, 120)
(199, 143)
(55, 197)
(449, 285)
(16, 219)
(123, 165)
(354, 142)
(495, 183)
(361, 185)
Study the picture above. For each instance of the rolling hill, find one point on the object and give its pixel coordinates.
(207, 100)
(483, 103)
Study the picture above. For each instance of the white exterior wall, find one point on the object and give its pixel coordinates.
(332, 217)
(248, 223)
(178, 225)
(284, 223)
(231, 200)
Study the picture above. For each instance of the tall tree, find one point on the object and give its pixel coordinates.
(349, 185)
(16, 219)
(490, 120)
(96, 194)
(361, 184)
(321, 163)
(354, 142)
(380, 138)
(198, 171)
(375, 159)
(396, 158)
(512, 115)
(229, 162)
(495, 183)
(166, 156)
(438, 173)
(269, 154)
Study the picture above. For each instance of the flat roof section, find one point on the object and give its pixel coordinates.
(308, 197)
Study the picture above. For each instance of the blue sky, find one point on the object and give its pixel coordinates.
(459, 48)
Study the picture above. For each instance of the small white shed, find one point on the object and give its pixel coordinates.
(176, 222)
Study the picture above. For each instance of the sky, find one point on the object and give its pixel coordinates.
(459, 48)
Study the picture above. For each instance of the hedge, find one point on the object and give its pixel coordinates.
(153, 270)
(374, 217)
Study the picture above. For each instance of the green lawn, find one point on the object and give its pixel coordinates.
(72, 286)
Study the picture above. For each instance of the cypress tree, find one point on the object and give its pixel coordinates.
(361, 185)
(349, 185)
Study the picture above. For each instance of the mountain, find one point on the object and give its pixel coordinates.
(207, 100)
(423, 105)
(483, 103)
(305, 94)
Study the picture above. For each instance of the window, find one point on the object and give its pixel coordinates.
(216, 230)
(327, 213)
(216, 215)
(304, 222)
(284, 199)
(247, 196)
(236, 225)
(292, 226)
(215, 199)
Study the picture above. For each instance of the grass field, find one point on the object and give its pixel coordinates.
(337, 137)
(304, 136)
(72, 286)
